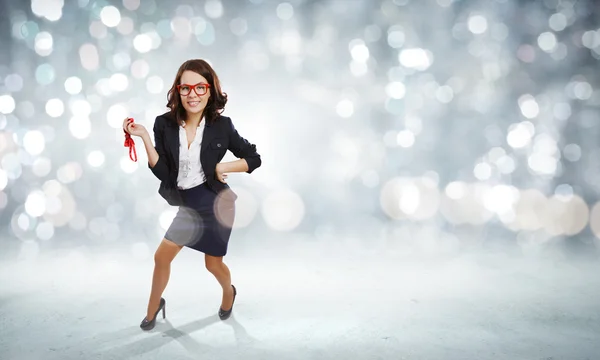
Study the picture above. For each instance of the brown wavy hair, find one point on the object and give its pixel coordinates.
(216, 102)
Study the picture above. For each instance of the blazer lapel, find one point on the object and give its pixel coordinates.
(210, 132)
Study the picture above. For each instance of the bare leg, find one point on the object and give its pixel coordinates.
(166, 252)
(221, 272)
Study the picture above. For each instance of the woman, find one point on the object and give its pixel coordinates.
(189, 142)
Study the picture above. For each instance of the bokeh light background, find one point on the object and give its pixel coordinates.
(402, 126)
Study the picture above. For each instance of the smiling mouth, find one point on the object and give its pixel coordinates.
(193, 103)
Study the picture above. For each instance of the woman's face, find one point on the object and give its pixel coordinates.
(194, 92)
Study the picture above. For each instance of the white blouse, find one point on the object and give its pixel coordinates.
(191, 173)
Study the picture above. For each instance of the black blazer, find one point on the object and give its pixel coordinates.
(217, 138)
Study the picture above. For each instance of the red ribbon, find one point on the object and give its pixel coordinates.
(130, 144)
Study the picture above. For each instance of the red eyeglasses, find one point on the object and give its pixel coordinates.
(199, 88)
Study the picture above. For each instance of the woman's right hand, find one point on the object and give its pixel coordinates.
(132, 128)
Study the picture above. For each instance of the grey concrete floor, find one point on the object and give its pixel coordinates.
(296, 304)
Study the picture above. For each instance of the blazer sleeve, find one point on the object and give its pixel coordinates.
(243, 149)
(160, 169)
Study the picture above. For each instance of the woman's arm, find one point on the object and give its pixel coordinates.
(248, 161)
(157, 158)
(233, 166)
(156, 153)
(244, 150)
(150, 150)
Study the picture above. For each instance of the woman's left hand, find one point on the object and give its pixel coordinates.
(221, 176)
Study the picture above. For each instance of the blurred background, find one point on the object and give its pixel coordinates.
(394, 126)
(429, 181)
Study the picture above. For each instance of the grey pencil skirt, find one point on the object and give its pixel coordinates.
(204, 222)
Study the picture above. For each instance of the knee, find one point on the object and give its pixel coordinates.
(213, 266)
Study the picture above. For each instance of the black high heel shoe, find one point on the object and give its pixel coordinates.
(149, 324)
(224, 315)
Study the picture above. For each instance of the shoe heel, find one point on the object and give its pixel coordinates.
(224, 315)
(149, 324)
